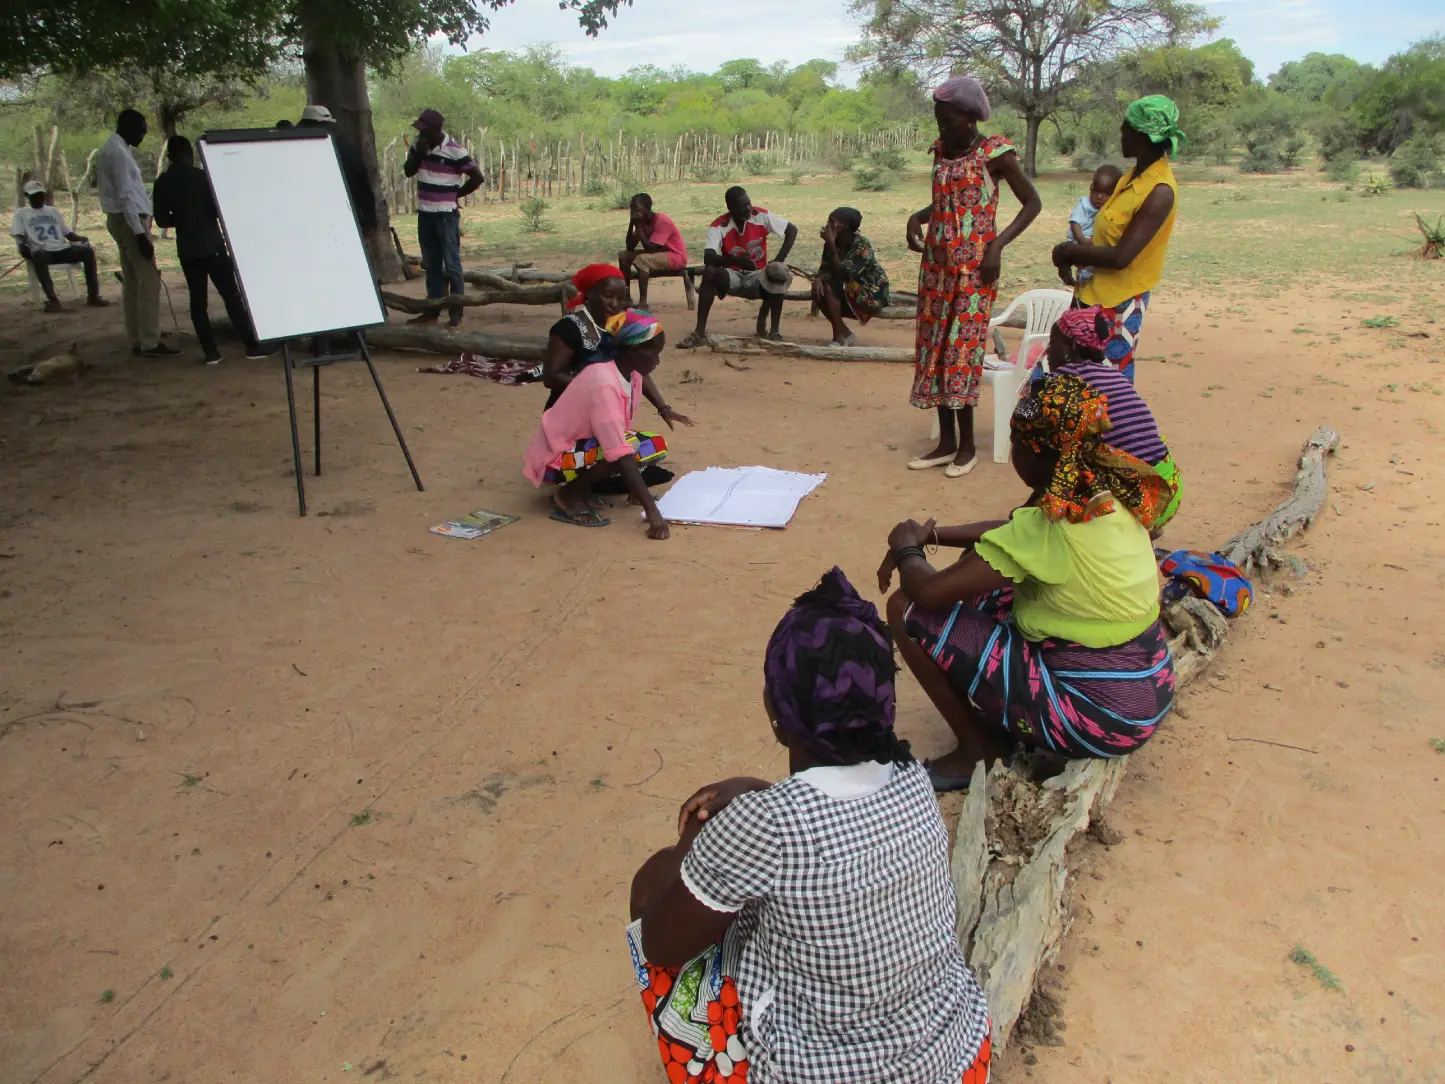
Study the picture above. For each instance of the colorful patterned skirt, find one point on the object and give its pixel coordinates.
(1170, 473)
(696, 1015)
(1054, 694)
(1124, 322)
(951, 335)
(649, 448)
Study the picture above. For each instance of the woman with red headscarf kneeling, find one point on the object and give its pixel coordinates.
(1046, 631)
(586, 436)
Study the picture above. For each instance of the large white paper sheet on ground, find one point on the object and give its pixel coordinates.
(738, 496)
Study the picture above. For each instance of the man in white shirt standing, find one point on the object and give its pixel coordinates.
(127, 208)
(45, 240)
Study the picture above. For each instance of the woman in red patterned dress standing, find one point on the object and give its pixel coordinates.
(958, 279)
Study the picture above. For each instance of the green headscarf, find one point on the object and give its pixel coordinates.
(1158, 118)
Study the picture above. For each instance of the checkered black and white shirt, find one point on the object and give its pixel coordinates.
(844, 951)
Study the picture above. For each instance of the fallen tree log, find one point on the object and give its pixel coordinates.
(449, 343)
(735, 344)
(544, 294)
(519, 273)
(1011, 860)
(1255, 546)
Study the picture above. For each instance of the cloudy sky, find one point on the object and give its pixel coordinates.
(695, 33)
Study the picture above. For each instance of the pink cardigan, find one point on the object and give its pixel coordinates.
(593, 405)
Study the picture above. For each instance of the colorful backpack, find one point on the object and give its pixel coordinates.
(1208, 575)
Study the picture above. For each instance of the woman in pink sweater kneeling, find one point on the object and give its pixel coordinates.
(587, 434)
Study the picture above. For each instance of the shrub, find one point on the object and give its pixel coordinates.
(1432, 249)
(757, 163)
(1261, 157)
(712, 173)
(1376, 185)
(619, 198)
(869, 178)
(888, 158)
(840, 158)
(1344, 168)
(1292, 148)
(534, 215)
(594, 186)
(795, 177)
(1416, 164)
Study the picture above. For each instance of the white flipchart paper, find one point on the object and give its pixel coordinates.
(738, 496)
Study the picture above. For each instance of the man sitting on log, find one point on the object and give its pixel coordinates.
(44, 239)
(736, 259)
(444, 173)
(663, 251)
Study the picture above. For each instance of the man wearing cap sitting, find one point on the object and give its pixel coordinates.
(444, 173)
(44, 239)
(736, 263)
(353, 168)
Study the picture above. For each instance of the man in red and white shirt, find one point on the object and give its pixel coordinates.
(736, 263)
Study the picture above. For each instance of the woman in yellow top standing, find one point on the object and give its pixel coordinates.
(1131, 234)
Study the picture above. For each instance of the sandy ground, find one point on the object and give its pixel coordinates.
(289, 798)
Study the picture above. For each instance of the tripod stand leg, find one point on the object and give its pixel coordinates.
(395, 426)
(295, 438)
(316, 411)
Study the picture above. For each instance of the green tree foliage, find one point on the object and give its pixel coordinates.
(1030, 54)
(1405, 99)
(1317, 77)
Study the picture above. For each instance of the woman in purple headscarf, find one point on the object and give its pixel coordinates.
(958, 279)
(803, 931)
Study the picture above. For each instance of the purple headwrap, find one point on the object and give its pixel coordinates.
(966, 93)
(829, 672)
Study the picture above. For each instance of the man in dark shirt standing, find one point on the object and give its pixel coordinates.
(182, 201)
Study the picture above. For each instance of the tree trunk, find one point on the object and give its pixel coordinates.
(1031, 144)
(338, 81)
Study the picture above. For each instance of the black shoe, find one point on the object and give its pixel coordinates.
(259, 353)
(213, 357)
(159, 350)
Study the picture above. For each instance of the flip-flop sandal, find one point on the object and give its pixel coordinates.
(943, 783)
(924, 464)
(776, 337)
(692, 341)
(588, 518)
(955, 470)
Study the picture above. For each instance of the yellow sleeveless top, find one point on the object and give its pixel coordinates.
(1110, 288)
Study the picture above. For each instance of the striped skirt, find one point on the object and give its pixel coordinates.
(1054, 694)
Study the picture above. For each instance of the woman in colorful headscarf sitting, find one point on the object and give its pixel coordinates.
(1132, 231)
(586, 436)
(1046, 631)
(1076, 348)
(803, 931)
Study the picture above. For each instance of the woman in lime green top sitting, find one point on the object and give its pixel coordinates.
(1046, 631)
(1132, 231)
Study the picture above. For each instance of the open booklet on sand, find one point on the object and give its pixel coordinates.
(738, 496)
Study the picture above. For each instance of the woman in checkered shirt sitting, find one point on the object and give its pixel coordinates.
(803, 931)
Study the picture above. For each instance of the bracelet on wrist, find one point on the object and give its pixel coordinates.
(907, 551)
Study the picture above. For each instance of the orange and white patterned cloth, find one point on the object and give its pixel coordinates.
(696, 1016)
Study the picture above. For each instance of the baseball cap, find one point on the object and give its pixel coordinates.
(32, 187)
(776, 278)
(429, 118)
(318, 113)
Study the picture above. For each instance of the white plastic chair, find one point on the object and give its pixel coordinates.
(36, 292)
(1041, 308)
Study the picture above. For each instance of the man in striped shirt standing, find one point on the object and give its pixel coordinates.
(444, 172)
